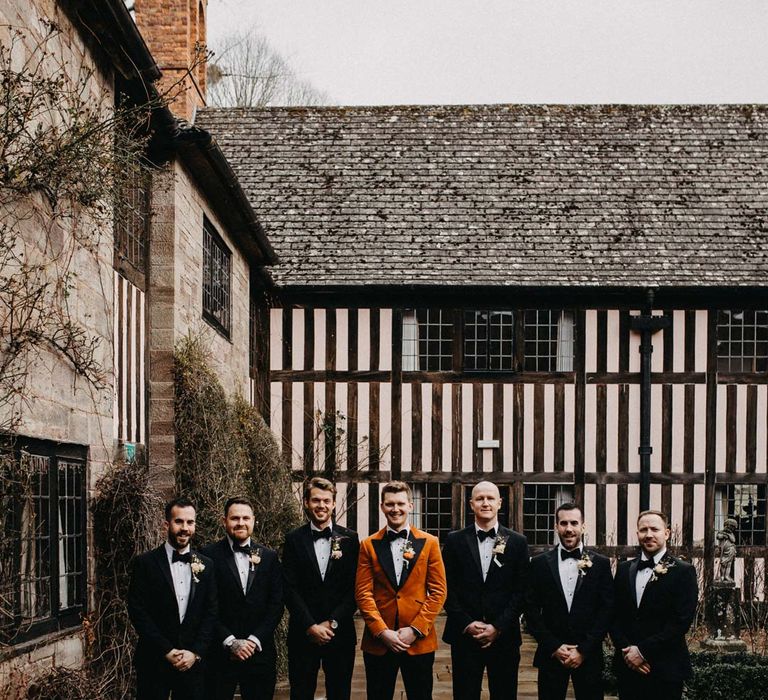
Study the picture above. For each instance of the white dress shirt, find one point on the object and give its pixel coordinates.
(243, 564)
(645, 575)
(396, 547)
(322, 549)
(569, 574)
(486, 548)
(181, 574)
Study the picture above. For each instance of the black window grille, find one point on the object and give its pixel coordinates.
(549, 340)
(43, 551)
(742, 341)
(745, 504)
(217, 266)
(427, 340)
(132, 215)
(489, 340)
(432, 507)
(539, 504)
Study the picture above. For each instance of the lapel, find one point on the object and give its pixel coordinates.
(554, 567)
(580, 576)
(161, 557)
(633, 579)
(229, 556)
(418, 545)
(252, 568)
(652, 586)
(474, 549)
(331, 561)
(309, 549)
(493, 567)
(384, 555)
(192, 587)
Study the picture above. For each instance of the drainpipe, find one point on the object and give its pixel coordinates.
(647, 325)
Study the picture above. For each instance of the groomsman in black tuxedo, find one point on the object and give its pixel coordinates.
(656, 596)
(172, 605)
(568, 610)
(486, 567)
(319, 565)
(250, 586)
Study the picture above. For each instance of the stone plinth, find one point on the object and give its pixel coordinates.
(722, 617)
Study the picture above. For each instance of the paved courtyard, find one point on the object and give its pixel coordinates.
(442, 687)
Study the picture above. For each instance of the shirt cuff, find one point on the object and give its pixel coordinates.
(256, 641)
(228, 641)
(417, 632)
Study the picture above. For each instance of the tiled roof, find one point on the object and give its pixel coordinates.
(524, 195)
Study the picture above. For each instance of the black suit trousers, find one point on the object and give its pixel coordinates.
(304, 662)
(587, 682)
(256, 678)
(381, 675)
(469, 661)
(161, 681)
(634, 686)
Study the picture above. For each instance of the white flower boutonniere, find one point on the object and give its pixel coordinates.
(661, 568)
(499, 547)
(408, 552)
(197, 567)
(584, 564)
(336, 552)
(255, 559)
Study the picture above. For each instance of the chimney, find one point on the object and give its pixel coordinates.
(175, 33)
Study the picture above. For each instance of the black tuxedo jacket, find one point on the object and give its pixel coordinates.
(658, 627)
(309, 598)
(499, 599)
(154, 611)
(257, 611)
(547, 614)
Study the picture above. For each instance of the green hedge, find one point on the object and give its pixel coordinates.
(715, 676)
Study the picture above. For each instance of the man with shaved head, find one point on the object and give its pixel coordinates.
(486, 565)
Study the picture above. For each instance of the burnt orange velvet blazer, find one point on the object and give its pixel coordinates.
(415, 602)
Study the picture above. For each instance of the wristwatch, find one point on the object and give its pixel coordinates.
(334, 624)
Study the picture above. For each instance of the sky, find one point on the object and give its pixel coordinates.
(362, 52)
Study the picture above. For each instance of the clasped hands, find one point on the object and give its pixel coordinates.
(484, 633)
(569, 655)
(634, 660)
(321, 633)
(398, 641)
(181, 659)
(242, 649)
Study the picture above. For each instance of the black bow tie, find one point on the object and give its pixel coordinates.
(186, 558)
(392, 535)
(321, 534)
(645, 564)
(243, 548)
(573, 554)
(482, 535)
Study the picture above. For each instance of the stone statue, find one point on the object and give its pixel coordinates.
(726, 540)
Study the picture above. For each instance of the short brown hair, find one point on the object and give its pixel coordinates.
(319, 482)
(396, 487)
(237, 501)
(663, 516)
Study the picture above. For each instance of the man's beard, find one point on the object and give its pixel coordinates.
(173, 539)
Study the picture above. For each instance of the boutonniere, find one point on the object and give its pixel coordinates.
(499, 547)
(661, 568)
(255, 558)
(336, 552)
(584, 563)
(197, 567)
(408, 552)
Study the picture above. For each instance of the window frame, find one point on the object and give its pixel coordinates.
(725, 362)
(212, 236)
(421, 496)
(726, 493)
(552, 504)
(22, 629)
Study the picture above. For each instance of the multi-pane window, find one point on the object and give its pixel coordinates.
(432, 505)
(745, 504)
(742, 341)
(549, 340)
(539, 504)
(132, 204)
(489, 340)
(42, 553)
(217, 267)
(427, 340)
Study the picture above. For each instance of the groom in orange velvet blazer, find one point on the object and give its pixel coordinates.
(400, 589)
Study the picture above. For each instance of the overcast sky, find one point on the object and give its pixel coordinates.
(513, 51)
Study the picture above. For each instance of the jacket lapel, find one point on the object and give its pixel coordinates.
(309, 548)
(580, 576)
(474, 549)
(384, 555)
(408, 564)
(554, 567)
(633, 579)
(252, 568)
(161, 557)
